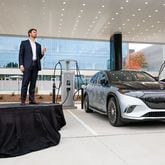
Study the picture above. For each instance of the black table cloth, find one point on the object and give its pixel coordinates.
(28, 128)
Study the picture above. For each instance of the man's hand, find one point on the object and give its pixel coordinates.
(22, 68)
(43, 51)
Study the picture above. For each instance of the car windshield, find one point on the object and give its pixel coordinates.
(130, 76)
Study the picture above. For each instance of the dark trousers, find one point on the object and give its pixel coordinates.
(29, 79)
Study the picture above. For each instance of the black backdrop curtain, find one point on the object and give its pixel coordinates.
(24, 129)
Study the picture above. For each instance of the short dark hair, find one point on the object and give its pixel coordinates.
(30, 30)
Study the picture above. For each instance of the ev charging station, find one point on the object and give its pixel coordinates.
(67, 88)
(67, 83)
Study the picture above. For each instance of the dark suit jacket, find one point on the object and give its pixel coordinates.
(26, 55)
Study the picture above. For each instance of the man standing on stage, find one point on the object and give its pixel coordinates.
(30, 54)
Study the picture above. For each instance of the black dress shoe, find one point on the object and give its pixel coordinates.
(32, 102)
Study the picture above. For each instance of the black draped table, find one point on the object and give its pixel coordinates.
(28, 128)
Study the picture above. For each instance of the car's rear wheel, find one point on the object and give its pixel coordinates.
(86, 104)
(113, 112)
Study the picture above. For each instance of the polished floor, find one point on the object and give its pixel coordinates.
(89, 139)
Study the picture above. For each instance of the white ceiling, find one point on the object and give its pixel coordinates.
(138, 20)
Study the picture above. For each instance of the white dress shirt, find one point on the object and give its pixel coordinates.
(33, 45)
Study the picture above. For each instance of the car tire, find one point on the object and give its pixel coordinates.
(86, 104)
(113, 112)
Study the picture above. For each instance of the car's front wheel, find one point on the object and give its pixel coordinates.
(113, 112)
(86, 104)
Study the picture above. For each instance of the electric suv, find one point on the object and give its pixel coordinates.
(124, 96)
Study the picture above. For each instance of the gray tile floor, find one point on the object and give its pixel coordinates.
(89, 139)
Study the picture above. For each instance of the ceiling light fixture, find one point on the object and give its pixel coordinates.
(121, 7)
(64, 3)
(146, 3)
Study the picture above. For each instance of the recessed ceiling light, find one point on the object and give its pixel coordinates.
(143, 20)
(79, 16)
(96, 17)
(146, 3)
(116, 13)
(112, 19)
(84, 4)
(152, 26)
(63, 9)
(121, 7)
(138, 25)
(123, 24)
(62, 14)
(99, 12)
(139, 9)
(149, 16)
(126, 1)
(102, 6)
(128, 19)
(133, 15)
(81, 11)
(64, 3)
(158, 22)
(164, 4)
(156, 11)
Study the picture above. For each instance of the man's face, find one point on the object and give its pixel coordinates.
(33, 34)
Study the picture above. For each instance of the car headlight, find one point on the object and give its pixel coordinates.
(137, 94)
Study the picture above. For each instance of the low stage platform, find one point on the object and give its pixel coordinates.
(28, 128)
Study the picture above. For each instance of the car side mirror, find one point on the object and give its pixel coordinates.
(103, 82)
